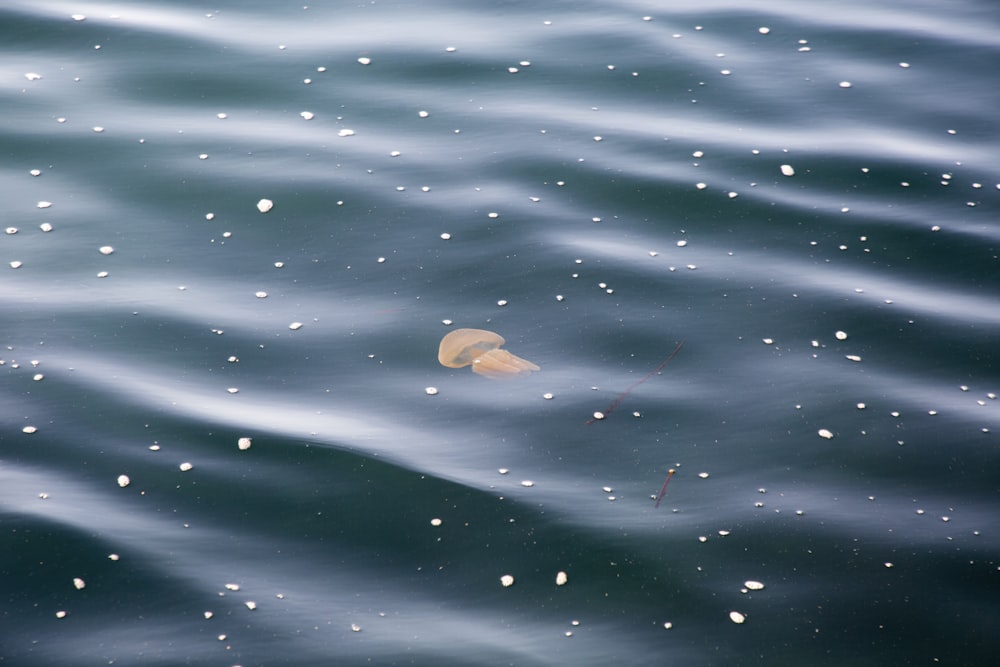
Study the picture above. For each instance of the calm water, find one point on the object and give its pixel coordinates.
(597, 181)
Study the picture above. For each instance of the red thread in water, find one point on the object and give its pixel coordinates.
(624, 394)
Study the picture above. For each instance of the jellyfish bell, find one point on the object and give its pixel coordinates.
(480, 349)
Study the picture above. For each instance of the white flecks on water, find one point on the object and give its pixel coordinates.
(307, 115)
(345, 133)
(79, 584)
(767, 341)
(703, 475)
(852, 357)
(29, 429)
(445, 236)
(251, 605)
(265, 205)
(737, 618)
(436, 522)
(295, 326)
(840, 335)
(260, 295)
(598, 415)
(787, 170)
(752, 585)
(184, 467)
(106, 250)
(364, 60)
(45, 227)
(845, 84)
(561, 578)
(825, 433)
(244, 444)
(431, 391)
(123, 481)
(233, 390)
(503, 471)
(16, 264)
(232, 587)
(680, 244)
(507, 581)
(527, 483)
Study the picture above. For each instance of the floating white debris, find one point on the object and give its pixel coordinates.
(607, 489)
(681, 243)
(840, 335)
(113, 556)
(887, 564)
(547, 396)
(703, 475)
(445, 236)
(435, 522)
(861, 406)
(502, 302)
(184, 467)
(345, 133)
(365, 60)
(16, 264)
(265, 205)
(60, 614)
(251, 605)
(503, 471)
(753, 585)
(78, 17)
(423, 114)
(29, 429)
(44, 204)
(431, 391)
(355, 627)
(233, 390)
(763, 30)
(845, 84)
(852, 357)
(787, 170)
(38, 377)
(232, 587)
(35, 172)
(307, 115)
(598, 415)
(45, 227)
(98, 129)
(295, 326)
(527, 483)
(260, 295)
(507, 580)
(736, 617)
(123, 481)
(561, 578)
(208, 615)
(244, 444)
(825, 433)
(701, 186)
(767, 341)
(79, 583)
(32, 76)
(668, 625)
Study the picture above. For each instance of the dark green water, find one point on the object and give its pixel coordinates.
(620, 191)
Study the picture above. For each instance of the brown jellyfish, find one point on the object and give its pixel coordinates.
(481, 349)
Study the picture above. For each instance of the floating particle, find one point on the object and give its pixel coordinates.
(559, 297)
(598, 415)
(681, 243)
(60, 614)
(154, 448)
(507, 580)
(260, 295)
(767, 341)
(861, 406)
(233, 390)
(668, 625)
(232, 587)
(700, 186)
(102, 274)
(251, 605)
(852, 357)
(208, 615)
(887, 564)
(394, 153)
(502, 302)
(203, 156)
(527, 483)
(221, 116)
(307, 115)
(233, 359)
(513, 70)
(607, 489)
(295, 326)
(345, 133)
(724, 533)
(123, 481)
(845, 84)
(32, 76)
(364, 60)
(78, 17)
(561, 578)
(503, 471)
(734, 195)
(431, 391)
(35, 172)
(355, 627)
(29, 429)
(840, 335)
(38, 377)
(825, 433)
(547, 396)
(447, 323)
(736, 617)
(265, 205)
(44, 204)
(787, 170)
(435, 522)
(16, 264)
(244, 444)
(12, 230)
(423, 114)
(703, 475)
(753, 585)
(79, 583)
(763, 30)
(113, 556)
(184, 467)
